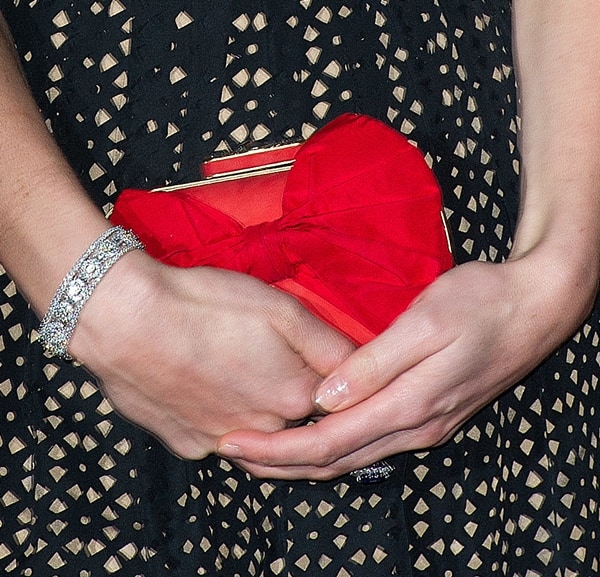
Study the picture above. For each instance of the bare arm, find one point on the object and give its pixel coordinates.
(558, 72)
(457, 348)
(179, 352)
(40, 198)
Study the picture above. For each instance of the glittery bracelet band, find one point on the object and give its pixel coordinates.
(59, 321)
(375, 473)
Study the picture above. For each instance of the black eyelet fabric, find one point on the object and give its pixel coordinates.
(137, 93)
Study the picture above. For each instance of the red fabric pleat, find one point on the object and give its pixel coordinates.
(356, 222)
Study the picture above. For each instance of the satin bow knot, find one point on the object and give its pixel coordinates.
(263, 253)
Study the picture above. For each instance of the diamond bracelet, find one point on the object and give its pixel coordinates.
(59, 322)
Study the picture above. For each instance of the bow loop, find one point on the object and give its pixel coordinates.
(354, 230)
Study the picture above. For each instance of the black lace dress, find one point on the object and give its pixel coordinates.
(137, 92)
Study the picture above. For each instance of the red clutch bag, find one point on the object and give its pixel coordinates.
(348, 222)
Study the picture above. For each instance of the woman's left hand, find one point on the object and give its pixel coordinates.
(472, 334)
(480, 327)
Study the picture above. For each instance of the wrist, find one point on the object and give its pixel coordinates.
(558, 237)
(115, 316)
(560, 281)
(62, 315)
(42, 238)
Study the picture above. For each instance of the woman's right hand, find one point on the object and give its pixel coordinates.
(186, 354)
(190, 354)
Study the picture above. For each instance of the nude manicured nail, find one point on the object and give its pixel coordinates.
(230, 451)
(332, 393)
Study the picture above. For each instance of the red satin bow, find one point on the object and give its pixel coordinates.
(357, 236)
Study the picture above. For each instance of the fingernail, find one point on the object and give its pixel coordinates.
(230, 451)
(331, 393)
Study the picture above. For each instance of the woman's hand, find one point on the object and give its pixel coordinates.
(190, 354)
(480, 327)
(186, 354)
(472, 334)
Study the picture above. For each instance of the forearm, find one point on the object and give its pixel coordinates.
(46, 220)
(558, 68)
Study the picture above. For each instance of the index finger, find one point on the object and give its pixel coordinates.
(332, 438)
(413, 338)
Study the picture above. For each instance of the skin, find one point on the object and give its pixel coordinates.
(481, 327)
(410, 388)
(175, 350)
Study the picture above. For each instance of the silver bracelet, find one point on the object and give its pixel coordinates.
(59, 322)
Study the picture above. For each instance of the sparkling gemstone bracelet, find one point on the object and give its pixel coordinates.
(60, 320)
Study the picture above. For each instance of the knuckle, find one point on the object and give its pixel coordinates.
(186, 449)
(431, 435)
(430, 323)
(370, 366)
(287, 310)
